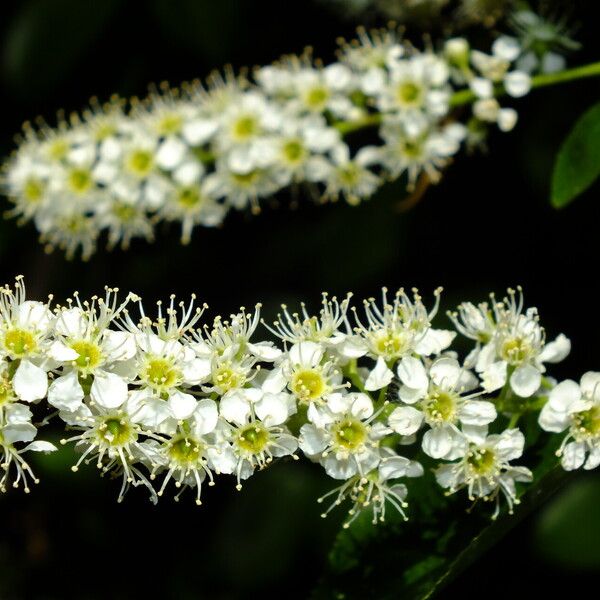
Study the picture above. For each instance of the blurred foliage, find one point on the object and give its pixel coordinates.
(568, 530)
(415, 560)
(577, 165)
(487, 225)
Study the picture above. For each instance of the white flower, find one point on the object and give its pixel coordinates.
(378, 488)
(518, 347)
(484, 467)
(352, 178)
(439, 400)
(575, 408)
(112, 438)
(395, 330)
(346, 440)
(16, 428)
(25, 327)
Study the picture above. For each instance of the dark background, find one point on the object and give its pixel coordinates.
(488, 225)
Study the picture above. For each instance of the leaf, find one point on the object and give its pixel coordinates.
(577, 165)
(416, 559)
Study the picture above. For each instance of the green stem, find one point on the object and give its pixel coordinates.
(592, 70)
(351, 372)
(514, 420)
(467, 96)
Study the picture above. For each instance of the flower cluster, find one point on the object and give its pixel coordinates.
(190, 156)
(372, 395)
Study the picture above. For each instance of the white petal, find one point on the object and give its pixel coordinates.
(362, 406)
(182, 405)
(306, 354)
(434, 341)
(477, 412)
(553, 420)
(564, 396)
(19, 432)
(590, 384)
(557, 350)
(517, 84)
(234, 407)
(506, 48)
(312, 439)
(573, 456)
(272, 409)
(196, 371)
(60, 352)
(118, 345)
(526, 380)
(481, 87)
(170, 153)
(40, 446)
(593, 459)
(393, 467)
(510, 444)
(379, 377)
(66, 393)
(274, 382)
(206, 416)
(71, 323)
(405, 420)
(445, 372)
(198, 131)
(437, 442)
(507, 119)
(412, 373)
(266, 351)
(30, 382)
(108, 390)
(494, 376)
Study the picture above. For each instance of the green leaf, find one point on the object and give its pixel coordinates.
(577, 165)
(414, 560)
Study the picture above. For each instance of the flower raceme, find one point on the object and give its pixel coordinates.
(190, 156)
(372, 398)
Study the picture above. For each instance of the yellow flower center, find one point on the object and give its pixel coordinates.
(188, 197)
(516, 350)
(185, 451)
(90, 355)
(390, 344)
(141, 162)
(80, 181)
(19, 343)
(253, 438)
(350, 434)
(587, 423)
(245, 127)
(33, 190)
(409, 94)
(317, 97)
(161, 374)
(308, 384)
(227, 378)
(293, 151)
(116, 431)
(482, 461)
(170, 124)
(440, 406)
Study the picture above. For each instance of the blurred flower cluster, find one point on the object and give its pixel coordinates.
(191, 155)
(371, 395)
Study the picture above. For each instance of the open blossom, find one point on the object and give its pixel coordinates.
(483, 466)
(514, 344)
(439, 399)
(345, 440)
(165, 402)
(25, 327)
(190, 156)
(575, 408)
